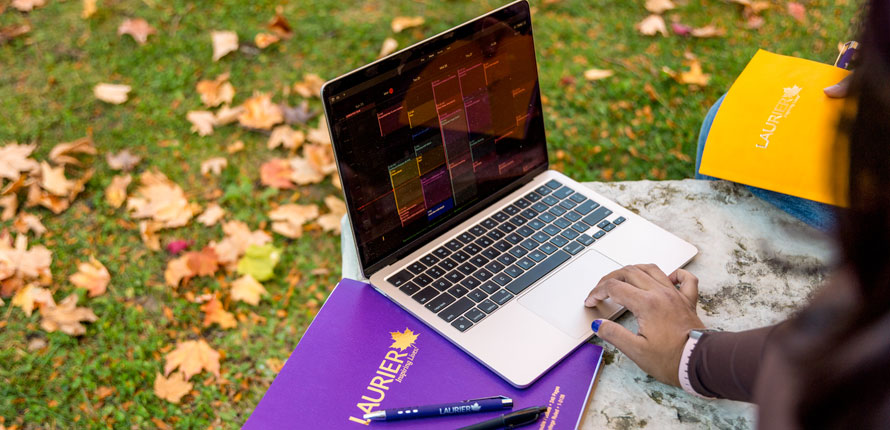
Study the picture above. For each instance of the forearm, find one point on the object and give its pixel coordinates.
(725, 365)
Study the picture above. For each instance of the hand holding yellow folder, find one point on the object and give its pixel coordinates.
(776, 130)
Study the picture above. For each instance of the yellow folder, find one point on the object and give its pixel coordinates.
(777, 130)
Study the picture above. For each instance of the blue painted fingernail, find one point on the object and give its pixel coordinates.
(596, 325)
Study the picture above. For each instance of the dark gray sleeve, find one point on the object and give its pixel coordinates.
(725, 364)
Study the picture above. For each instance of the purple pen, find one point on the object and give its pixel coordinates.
(848, 52)
(485, 404)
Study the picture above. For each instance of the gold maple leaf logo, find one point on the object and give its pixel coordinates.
(792, 92)
(402, 340)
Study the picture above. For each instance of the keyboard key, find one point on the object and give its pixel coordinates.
(409, 288)
(543, 190)
(619, 220)
(461, 324)
(522, 203)
(577, 197)
(477, 295)
(585, 207)
(466, 268)
(487, 306)
(586, 240)
(557, 211)
(494, 267)
(513, 271)
(558, 241)
(511, 210)
(474, 315)
(506, 259)
(580, 227)
(400, 278)
(562, 223)
(529, 213)
(447, 264)
(502, 279)
(425, 295)
(568, 204)
(518, 251)
(540, 207)
(494, 234)
(550, 200)
(573, 247)
(536, 224)
(441, 284)
(537, 256)
(572, 216)
(563, 192)
(442, 252)
(500, 217)
(482, 275)
(422, 280)
(599, 234)
(553, 184)
(569, 233)
(435, 272)
(416, 268)
(440, 302)
(491, 253)
(507, 227)
(470, 283)
(603, 224)
(460, 256)
(548, 247)
(537, 272)
(609, 227)
(529, 244)
(489, 287)
(533, 197)
(472, 249)
(455, 310)
(483, 242)
(513, 238)
(525, 231)
(597, 215)
(465, 237)
(501, 297)
(546, 217)
(478, 230)
(518, 220)
(502, 246)
(454, 276)
(541, 236)
(525, 263)
(479, 260)
(429, 260)
(489, 223)
(453, 245)
(458, 290)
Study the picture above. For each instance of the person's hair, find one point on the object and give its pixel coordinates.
(835, 391)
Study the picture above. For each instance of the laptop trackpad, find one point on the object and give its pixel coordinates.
(560, 299)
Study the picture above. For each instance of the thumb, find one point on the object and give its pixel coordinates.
(622, 338)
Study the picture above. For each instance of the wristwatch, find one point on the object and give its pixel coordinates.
(683, 370)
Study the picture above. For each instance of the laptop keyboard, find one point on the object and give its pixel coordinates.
(484, 267)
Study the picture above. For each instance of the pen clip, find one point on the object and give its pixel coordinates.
(488, 398)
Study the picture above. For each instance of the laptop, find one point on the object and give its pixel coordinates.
(456, 217)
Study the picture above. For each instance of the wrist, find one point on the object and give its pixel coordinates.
(684, 369)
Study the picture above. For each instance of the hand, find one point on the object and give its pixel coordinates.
(664, 312)
(840, 89)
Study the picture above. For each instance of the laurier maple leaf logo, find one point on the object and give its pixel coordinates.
(402, 340)
(793, 91)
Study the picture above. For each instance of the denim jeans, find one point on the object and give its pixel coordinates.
(818, 215)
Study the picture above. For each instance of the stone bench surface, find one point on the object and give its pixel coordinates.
(756, 265)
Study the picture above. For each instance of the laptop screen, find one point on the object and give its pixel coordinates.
(425, 136)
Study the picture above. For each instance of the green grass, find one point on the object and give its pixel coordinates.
(604, 130)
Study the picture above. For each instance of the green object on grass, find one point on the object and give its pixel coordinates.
(259, 261)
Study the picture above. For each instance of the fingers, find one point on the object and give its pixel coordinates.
(840, 89)
(623, 339)
(656, 274)
(621, 292)
(635, 276)
(688, 284)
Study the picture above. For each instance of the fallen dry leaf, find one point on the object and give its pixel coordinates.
(202, 121)
(320, 157)
(215, 313)
(400, 23)
(227, 115)
(389, 46)
(178, 270)
(10, 204)
(659, 6)
(303, 173)
(597, 74)
(26, 222)
(238, 239)
(217, 91)
(15, 160)
(754, 22)
(247, 289)
(66, 316)
(277, 173)
(310, 86)
(160, 199)
(53, 179)
(214, 165)
(280, 26)
(172, 389)
(288, 220)
(37, 196)
(651, 25)
(301, 114)
(797, 11)
(27, 5)
(111, 93)
(138, 28)
(285, 136)
(263, 40)
(708, 31)
(260, 112)
(211, 215)
(92, 276)
(123, 160)
(320, 134)
(89, 9)
(224, 42)
(191, 357)
(331, 220)
(31, 297)
(204, 262)
(693, 76)
(148, 232)
(116, 193)
(13, 31)
(235, 146)
(177, 246)
(19, 261)
(63, 153)
(681, 29)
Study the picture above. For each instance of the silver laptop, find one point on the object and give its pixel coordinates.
(456, 217)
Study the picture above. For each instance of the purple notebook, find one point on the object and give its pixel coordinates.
(363, 353)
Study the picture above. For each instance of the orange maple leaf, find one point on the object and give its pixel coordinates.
(402, 340)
